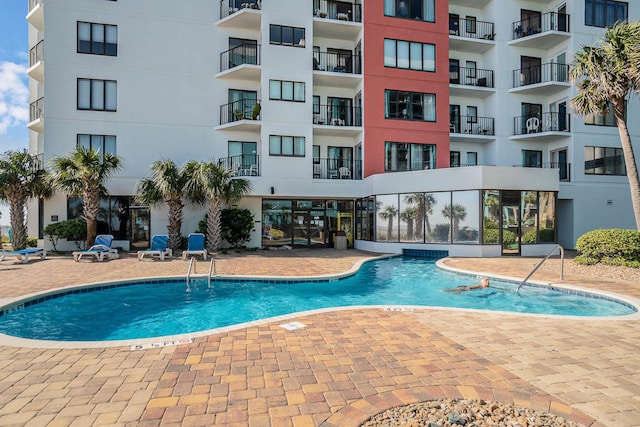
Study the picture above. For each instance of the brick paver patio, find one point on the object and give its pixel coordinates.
(343, 367)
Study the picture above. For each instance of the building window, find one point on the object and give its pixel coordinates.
(98, 95)
(531, 159)
(472, 114)
(409, 105)
(105, 144)
(470, 24)
(97, 39)
(409, 55)
(604, 120)
(286, 91)
(423, 10)
(472, 158)
(454, 159)
(604, 161)
(605, 13)
(286, 145)
(400, 156)
(286, 36)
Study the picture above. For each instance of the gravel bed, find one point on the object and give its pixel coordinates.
(468, 413)
(598, 270)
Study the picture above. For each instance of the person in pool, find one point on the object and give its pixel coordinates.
(484, 283)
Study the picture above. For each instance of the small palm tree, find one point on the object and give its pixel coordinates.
(83, 173)
(455, 213)
(606, 74)
(389, 213)
(211, 183)
(21, 178)
(166, 185)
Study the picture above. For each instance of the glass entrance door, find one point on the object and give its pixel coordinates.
(309, 228)
(139, 228)
(510, 223)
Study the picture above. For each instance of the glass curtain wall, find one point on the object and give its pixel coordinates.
(387, 218)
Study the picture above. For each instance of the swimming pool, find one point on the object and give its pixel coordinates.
(163, 307)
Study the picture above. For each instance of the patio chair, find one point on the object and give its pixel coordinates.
(24, 254)
(159, 243)
(101, 248)
(195, 246)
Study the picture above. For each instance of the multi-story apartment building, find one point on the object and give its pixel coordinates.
(408, 124)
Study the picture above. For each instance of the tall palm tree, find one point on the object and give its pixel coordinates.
(21, 178)
(211, 183)
(409, 216)
(389, 213)
(455, 213)
(166, 185)
(83, 173)
(606, 74)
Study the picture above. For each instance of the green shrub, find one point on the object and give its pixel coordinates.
(236, 225)
(73, 230)
(546, 235)
(612, 247)
(32, 242)
(491, 235)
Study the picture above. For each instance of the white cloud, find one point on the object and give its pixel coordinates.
(14, 96)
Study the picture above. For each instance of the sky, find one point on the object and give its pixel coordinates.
(14, 89)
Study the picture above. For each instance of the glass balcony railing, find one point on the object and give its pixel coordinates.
(544, 73)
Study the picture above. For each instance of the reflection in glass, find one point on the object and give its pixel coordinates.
(529, 214)
(387, 214)
(547, 203)
(491, 217)
(437, 224)
(465, 217)
(276, 222)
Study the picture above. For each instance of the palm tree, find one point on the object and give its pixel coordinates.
(166, 185)
(211, 183)
(409, 215)
(456, 213)
(425, 202)
(21, 178)
(389, 213)
(606, 74)
(83, 173)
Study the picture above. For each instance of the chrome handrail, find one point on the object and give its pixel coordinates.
(543, 260)
(212, 267)
(192, 262)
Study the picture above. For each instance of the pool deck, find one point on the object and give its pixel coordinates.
(343, 367)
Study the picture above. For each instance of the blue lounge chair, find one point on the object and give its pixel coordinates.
(101, 248)
(159, 243)
(195, 246)
(24, 254)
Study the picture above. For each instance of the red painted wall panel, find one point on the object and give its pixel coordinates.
(377, 78)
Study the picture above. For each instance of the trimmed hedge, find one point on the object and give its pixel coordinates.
(611, 247)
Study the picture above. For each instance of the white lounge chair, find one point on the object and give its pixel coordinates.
(159, 243)
(101, 248)
(195, 246)
(24, 254)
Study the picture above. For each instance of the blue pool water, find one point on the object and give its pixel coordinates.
(167, 307)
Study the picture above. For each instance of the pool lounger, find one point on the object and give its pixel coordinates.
(24, 254)
(100, 249)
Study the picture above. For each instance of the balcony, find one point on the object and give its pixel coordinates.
(564, 169)
(240, 14)
(548, 126)
(542, 79)
(542, 31)
(241, 62)
(337, 169)
(242, 165)
(470, 35)
(471, 129)
(35, 16)
(335, 120)
(336, 19)
(36, 115)
(465, 81)
(36, 61)
(240, 115)
(337, 69)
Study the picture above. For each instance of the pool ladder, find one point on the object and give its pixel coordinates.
(541, 262)
(212, 270)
